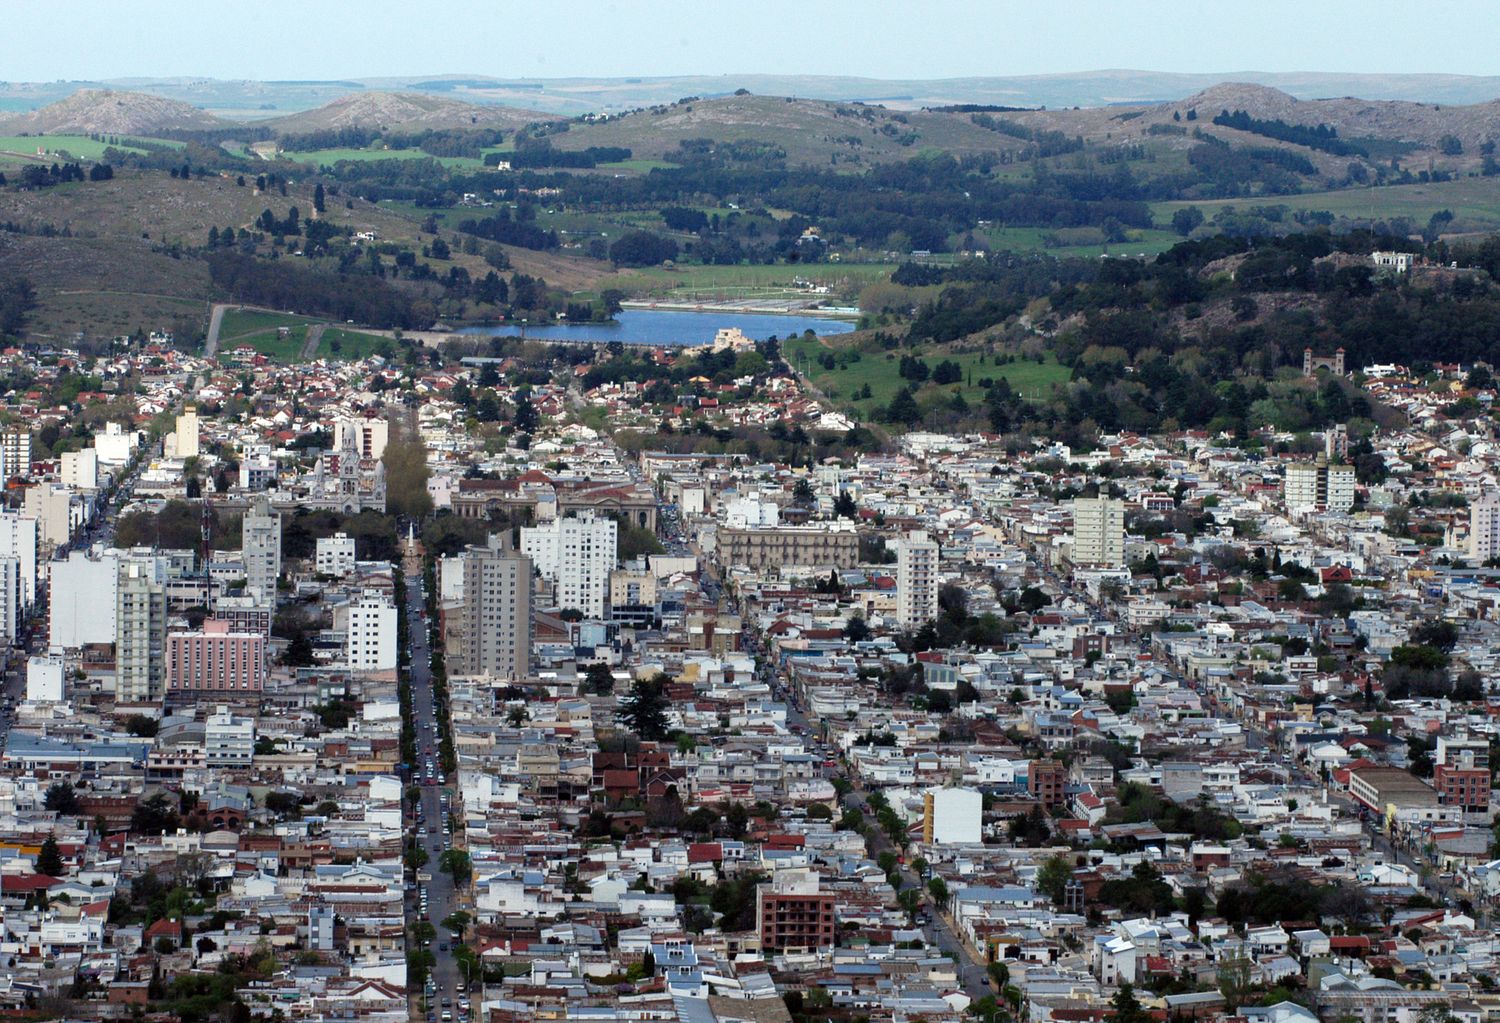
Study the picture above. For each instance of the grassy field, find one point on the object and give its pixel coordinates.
(280, 347)
(879, 370)
(1475, 201)
(1039, 239)
(689, 282)
(329, 157)
(342, 343)
(79, 147)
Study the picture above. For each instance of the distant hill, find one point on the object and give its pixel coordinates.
(403, 110)
(808, 131)
(105, 111)
(254, 100)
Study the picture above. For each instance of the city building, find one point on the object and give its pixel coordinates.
(140, 630)
(115, 444)
(792, 913)
(10, 598)
(183, 442)
(215, 661)
(835, 544)
(370, 635)
(44, 679)
(494, 634)
(15, 455)
(952, 816)
(80, 469)
(1099, 532)
(1484, 528)
(335, 554)
(82, 586)
(260, 546)
(916, 580)
(370, 435)
(577, 555)
(228, 739)
(18, 539)
(243, 614)
(1319, 486)
(1047, 781)
(58, 512)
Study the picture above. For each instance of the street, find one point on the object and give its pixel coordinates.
(431, 827)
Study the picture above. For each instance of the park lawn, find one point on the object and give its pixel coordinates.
(1033, 380)
(1036, 239)
(352, 344)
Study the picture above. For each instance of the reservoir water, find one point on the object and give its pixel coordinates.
(672, 327)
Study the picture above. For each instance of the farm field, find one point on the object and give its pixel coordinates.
(879, 371)
(1037, 239)
(1472, 200)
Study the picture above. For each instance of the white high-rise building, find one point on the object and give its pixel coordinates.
(495, 623)
(335, 554)
(80, 469)
(1099, 532)
(370, 636)
(1484, 528)
(15, 454)
(916, 580)
(10, 598)
(81, 598)
(141, 630)
(260, 547)
(18, 539)
(577, 555)
(370, 436)
(1319, 487)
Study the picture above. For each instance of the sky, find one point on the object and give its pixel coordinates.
(925, 39)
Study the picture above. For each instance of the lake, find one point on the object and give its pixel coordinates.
(672, 327)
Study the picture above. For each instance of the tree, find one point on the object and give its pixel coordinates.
(526, 418)
(644, 711)
(1053, 877)
(49, 859)
(456, 862)
(154, 816)
(642, 248)
(319, 202)
(1127, 1008)
(406, 473)
(856, 629)
(62, 799)
(1185, 220)
(599, 679)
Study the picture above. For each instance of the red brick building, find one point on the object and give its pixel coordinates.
(1468, 787)
(794, 914)
(215, 661)
(1047, 781)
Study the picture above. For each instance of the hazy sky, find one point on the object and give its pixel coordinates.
(319, 39)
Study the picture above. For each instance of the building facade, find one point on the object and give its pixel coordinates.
(916, 580)
(370, 637)
(792, 913)
(1099, 532)
(494, 635)
(1319, 487)
(260, 546)
(335, 554)
(836, 545)
(140, 630)
(577, 554)
(215, 661)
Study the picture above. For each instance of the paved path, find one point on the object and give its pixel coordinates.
(215, 322)
(314, 338)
